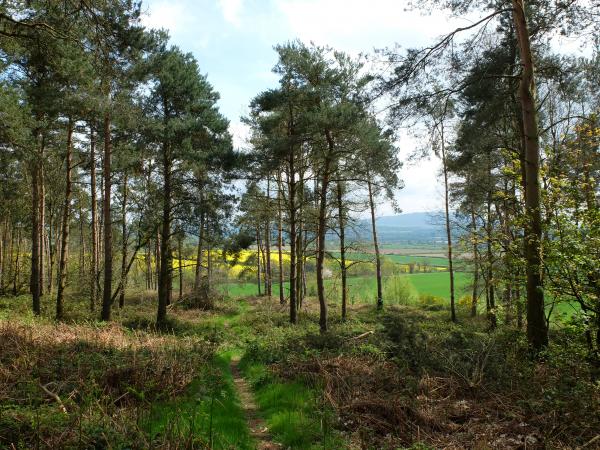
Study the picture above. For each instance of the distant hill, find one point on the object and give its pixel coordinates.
(409, 228)
(412, 220)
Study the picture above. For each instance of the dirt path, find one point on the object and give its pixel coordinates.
(257, 426)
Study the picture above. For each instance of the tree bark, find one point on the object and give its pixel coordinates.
(198, 279)
(491, 302)
(321, 232)
(64, 248)
(94, 227)
(124, 243)
(42, 224)
(376, 247)
(179, 252)
(164, 280)
(537, 331)
(258, 272)
(280, 239)
(475, 264)
(292, 216)
(17, 274)
(268, 268)
(342, 225)
(448, 227)
(107, 219)
(35, 236)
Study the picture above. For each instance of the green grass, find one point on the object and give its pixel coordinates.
(209, 414)
(361, 289)
(291, 410)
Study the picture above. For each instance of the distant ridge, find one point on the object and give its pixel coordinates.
(407, 228)
(415, 219)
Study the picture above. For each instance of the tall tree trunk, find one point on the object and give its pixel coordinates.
(94, 225)
(376, 247)
(107, 219)
(52, 248)
(490, 261)
(179, 252)
(208, 257)
(34, 285)
(198, 278)
(157, 254)
(64, 248)
(81, 241)
(123, 242)
(42, 224)
(258, 273)
(17, 272)
(475, 264)
(292, 216)
(448, 227)
(164, 280)
(537, 331)
(321, 232)
(280, 239)
(342, 225)
(3, 253)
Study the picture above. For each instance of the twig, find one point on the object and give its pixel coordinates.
(366, 333)
(55, 397)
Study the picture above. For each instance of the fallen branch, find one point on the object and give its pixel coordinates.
(360, 336)
(55, 397)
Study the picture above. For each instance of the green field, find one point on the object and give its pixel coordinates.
(361, 289)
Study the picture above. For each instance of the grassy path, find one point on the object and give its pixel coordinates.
(257, 426)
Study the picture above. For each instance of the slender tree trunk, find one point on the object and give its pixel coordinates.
(81, 241)
(198, 279)
(164, 280)
(448, 227)
(3, 253)
(208, 257)
(537, 331)
(157, 254)
(124, 242)
(42, 223)
(475, 265)
(376, 247)
(179, 252)
(106, 211)
(17, 274)
(258, 273)
(52, 248)
(322, 230)
(292, 215)
(342, 225)
(280, 239)
(490, 262)
(300, 226)
(148, 259)
(94, 225)
(35, 236)
(64, 248)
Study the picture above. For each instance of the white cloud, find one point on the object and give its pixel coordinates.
(168, 15)
(356, 25)
(240, 133)
(232, 10)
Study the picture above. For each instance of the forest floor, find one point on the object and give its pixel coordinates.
(239, 376)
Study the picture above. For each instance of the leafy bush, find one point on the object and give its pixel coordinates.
(398, 290)
(431, 302)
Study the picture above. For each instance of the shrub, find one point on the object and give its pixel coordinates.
(431, 302)
(399, 290)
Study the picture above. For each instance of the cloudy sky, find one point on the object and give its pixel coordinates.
(233, 42)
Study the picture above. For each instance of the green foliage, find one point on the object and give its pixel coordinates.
(398, 290)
